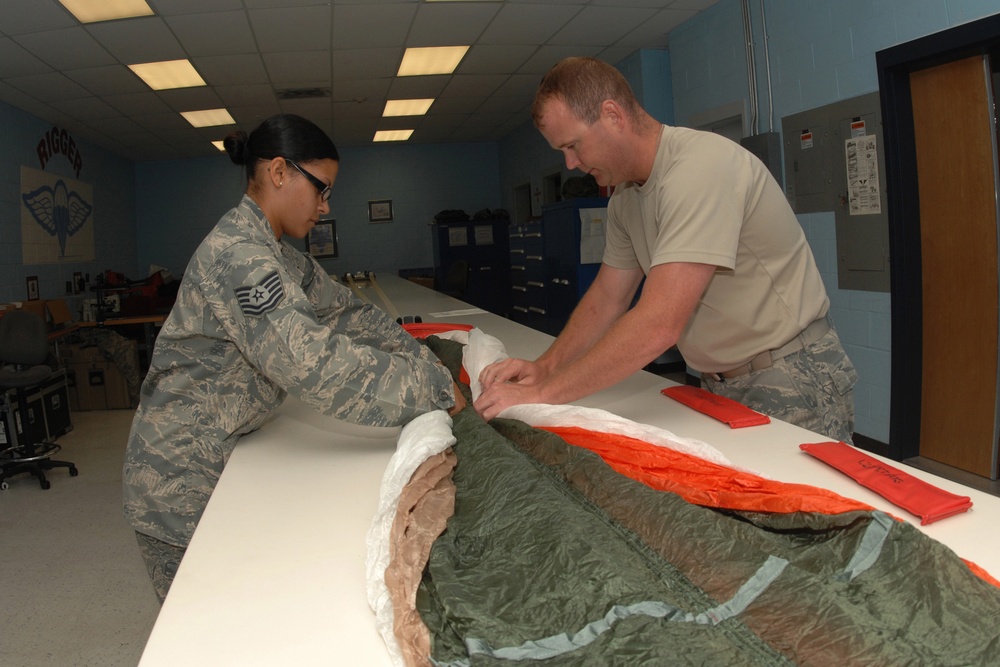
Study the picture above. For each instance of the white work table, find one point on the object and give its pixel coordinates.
(275, 572)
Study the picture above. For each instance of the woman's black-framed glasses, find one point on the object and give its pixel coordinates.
(324, 189)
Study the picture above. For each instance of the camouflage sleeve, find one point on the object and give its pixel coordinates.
(342, 365)
(331, 299)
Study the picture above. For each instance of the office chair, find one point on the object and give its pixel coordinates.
(23, 349)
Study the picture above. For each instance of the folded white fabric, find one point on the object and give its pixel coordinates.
(425, 436)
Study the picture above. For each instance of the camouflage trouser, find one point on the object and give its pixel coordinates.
(811, 388)
(161, 560)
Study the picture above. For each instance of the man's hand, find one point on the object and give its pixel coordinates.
(512, 370)
(502, 395)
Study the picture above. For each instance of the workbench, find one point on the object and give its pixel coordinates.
(275, 572)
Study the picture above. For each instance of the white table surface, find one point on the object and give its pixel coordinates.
(275, 571)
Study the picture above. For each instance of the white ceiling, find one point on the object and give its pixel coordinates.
(76, 76)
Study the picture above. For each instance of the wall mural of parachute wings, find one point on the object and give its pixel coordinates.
(57, 223)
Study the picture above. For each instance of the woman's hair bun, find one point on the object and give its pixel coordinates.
(236, 145)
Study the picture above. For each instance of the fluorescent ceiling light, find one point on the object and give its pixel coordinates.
(407, 107)
(168, 74)
(220, 144)
(208, 117)
(91, 11)
(431, 60)
(392, 135)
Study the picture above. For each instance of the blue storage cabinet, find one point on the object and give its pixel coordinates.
(483, 245)
(548, 277)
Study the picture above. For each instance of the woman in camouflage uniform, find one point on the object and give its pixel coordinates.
(255, 319)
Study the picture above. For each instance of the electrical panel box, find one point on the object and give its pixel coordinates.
(767, 148)
(835, 161)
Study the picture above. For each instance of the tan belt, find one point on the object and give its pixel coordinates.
(766, 359)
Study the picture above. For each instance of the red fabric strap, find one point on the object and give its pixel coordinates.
(897, 486)
(425, 329)
(724, 409)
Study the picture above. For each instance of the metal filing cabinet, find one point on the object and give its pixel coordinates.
(527, 271)
(548, 276)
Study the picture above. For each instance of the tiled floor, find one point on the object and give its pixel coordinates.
(73, 589)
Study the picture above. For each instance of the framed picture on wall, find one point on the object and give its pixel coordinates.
(32, 282)
(380, 210)
(322, 239)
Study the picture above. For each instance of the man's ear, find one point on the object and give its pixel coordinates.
(613, 114)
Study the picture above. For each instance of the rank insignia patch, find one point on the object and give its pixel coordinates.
(262, 298)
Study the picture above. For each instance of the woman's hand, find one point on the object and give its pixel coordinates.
(459, 401)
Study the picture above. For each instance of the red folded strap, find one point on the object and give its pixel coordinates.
(897, 486)
(425, 329)
(724, 409)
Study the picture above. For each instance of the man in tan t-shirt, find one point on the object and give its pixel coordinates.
(729, 276)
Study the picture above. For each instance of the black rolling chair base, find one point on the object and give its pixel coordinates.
(23, 350)
(16, 461)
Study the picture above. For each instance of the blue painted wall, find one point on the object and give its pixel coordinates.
(181, 200)
(113, 216)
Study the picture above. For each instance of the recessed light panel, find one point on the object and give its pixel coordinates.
(431, 60)
(208, 117)
(91, 11)
(407, 107)
(168, 74)
(392, 135)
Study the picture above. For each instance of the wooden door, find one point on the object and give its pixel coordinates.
(954, 133)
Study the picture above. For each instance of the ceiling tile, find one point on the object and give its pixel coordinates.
(372, 26)
(530, 24)
(213, 34)
(18, 17)
(450, 23)
(87, 108)
(494, 59)
(175, 7)
(366, 63)
(69, 48)
(292, 29)
(601, 25)
(49, 87)
(231, 70)
(110, 80)
(298, 69)
(191, 99)
(139, 40)
(138, 104)
(15, 60)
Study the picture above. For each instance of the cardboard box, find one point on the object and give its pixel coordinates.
(76, 353)
(97, 385)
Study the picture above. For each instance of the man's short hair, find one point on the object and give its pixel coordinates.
(584, 84)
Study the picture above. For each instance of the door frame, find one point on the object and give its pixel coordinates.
(895, 65)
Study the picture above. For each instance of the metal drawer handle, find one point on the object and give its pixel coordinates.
(535, 309)
(536, 283)
(521, 309)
